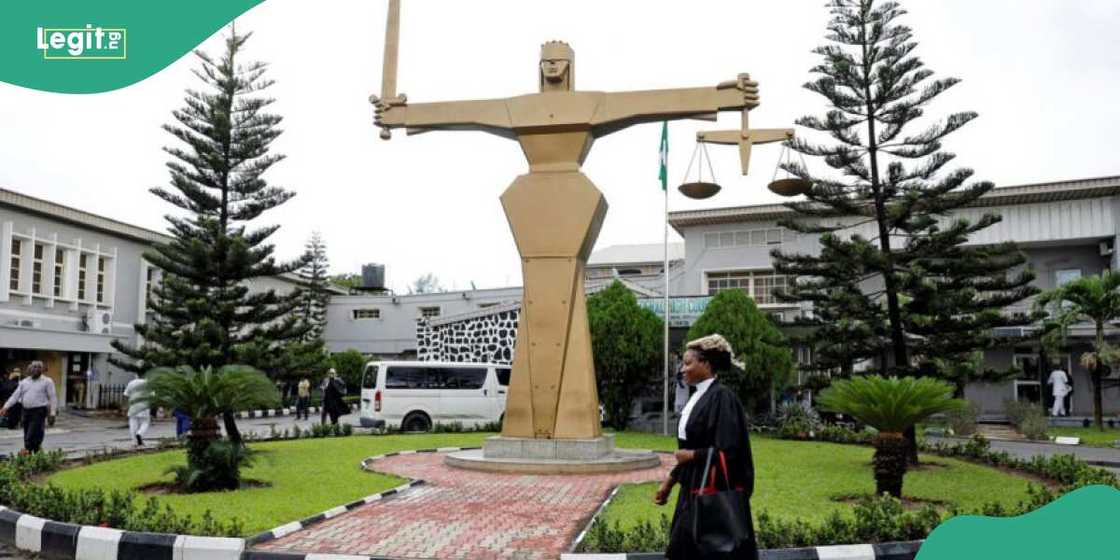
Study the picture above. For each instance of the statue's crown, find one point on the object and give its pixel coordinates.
(557, 50)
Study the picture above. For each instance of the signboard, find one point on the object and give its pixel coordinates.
(683, 311)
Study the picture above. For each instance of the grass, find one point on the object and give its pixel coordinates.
(800, 480)
(1089, 436)
(793, 479)
(307, 476)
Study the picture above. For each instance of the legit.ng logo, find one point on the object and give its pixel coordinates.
(83, 43)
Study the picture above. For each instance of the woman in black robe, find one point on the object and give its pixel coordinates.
(713, 419)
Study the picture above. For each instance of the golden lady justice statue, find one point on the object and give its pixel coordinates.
(555, 213)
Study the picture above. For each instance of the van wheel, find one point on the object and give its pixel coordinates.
(416, 422)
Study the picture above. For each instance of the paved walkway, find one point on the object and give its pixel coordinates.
(1101, 456)
(466, 514)
(78, 435)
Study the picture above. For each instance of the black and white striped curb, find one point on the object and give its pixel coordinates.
(287, 411)
(366, 464)
(885, 551)
(294, 526)
(590, 522)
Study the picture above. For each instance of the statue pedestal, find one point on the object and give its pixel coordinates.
(553, 456)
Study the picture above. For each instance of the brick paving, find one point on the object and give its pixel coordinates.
(466, 514)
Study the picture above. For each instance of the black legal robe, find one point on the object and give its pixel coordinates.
(717, 422)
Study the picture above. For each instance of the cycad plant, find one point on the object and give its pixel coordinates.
(204, 395)
(889, 405)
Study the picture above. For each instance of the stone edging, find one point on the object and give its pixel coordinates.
(287, 411)
(886, 551)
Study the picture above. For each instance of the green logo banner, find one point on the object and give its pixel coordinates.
(1080, 524)
(72, 46)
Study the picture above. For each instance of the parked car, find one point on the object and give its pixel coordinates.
(414, 396)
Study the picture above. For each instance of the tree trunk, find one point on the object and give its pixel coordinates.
(232, 432)
(890, 463)
(203, 432)
(1095, 376)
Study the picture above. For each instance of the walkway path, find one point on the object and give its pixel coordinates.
(466, 514)
(1101, 456)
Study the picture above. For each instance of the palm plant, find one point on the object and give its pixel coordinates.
(890, 405)
(203, 395)
(1094, 299)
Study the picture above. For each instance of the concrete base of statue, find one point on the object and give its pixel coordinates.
(553, 456)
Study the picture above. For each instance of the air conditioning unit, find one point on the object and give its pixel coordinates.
(1105, 248)
(99, 321)
(29, 323)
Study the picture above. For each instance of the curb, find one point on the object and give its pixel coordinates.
(885, 551)
(288, 411)
(289, 528)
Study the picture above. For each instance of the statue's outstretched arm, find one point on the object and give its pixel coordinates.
(488, 115)
(619, 110)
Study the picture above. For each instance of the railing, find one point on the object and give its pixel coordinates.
(110, 396)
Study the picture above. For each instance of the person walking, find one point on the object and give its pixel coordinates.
(333, 390)
(139, 411)
(6, 390)
(712, 431)
(37, 396)
(303, 398)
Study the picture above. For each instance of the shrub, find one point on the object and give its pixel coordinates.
(218, 467)
(798, 422)
(1016, 411)
(1034, 425)
(963, 420)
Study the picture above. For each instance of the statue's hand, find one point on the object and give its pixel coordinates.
(389, 113)
(749, 87)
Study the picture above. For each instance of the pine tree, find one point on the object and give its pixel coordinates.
(315, 293)
(202, 312)
(885, 224)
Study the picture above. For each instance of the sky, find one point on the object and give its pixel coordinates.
(1042, 74)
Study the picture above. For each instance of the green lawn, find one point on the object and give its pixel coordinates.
(312, 475)
(307, 476)
(799, 479)
(1089, 436)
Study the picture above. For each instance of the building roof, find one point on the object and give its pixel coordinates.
(1000, 196)
(79, 217)
(635, 254)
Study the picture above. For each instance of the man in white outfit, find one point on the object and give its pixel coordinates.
(1060, 387)
(139, 413)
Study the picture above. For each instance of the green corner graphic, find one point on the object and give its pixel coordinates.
(1081, 524)
(83, 58)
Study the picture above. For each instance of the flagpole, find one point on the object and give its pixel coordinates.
(665, 385)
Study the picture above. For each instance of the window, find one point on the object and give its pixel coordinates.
(100, 279)
(760, 285)
(629, 272)
(429, 312)
(149, 282)
(503, 376)
(747, 238)
(369, 313)
(398, 377)
(17, 247)
(463, 378)
(369, 378)
(37, 269)
(486, 304)
(59, 271)
(1063, 277)
(82, 277)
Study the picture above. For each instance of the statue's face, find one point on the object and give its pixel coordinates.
(554, 71)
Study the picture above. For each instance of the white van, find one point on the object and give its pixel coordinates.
(414, 396)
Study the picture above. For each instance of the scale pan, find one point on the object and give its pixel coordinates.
(699, 190)
(790, 187)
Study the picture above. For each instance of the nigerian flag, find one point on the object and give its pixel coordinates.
(664, 174)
